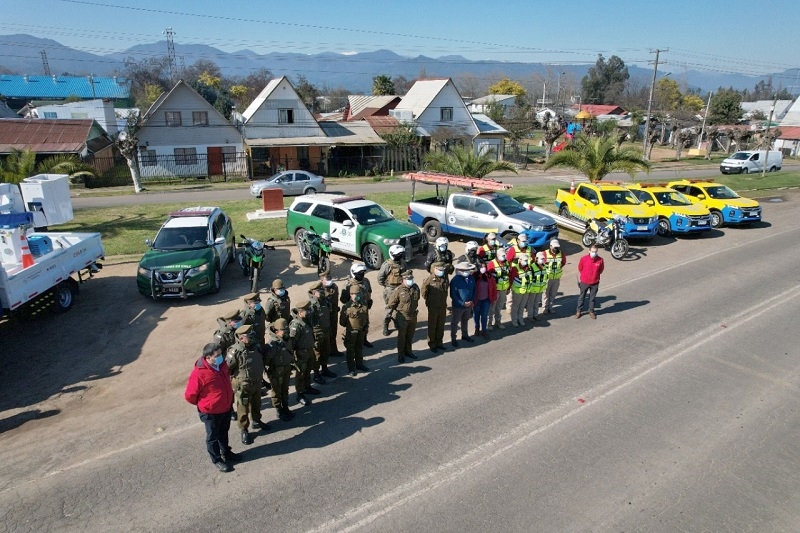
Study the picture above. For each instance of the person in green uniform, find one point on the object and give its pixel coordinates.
(246, 365)
(225, 335)
(253, 315)
(331, 293)
(403, 304)
(390, 277)
(278, 304)
(321, 324)
(302, 344)
(358, 277)
(279, 361)
(354, 318)
(434, 291)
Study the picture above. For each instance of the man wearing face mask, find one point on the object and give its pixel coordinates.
(358, 277)
(499, 268)
(488, 251)
(434, 291)
(225, 335)
(536, 289)
(403, 304)
(439, 255)
(462, 296)
(471, 254)
(390, 277)
(278, 303)
(331, 294)
(555, 268)
(521, 279)
(321, 323)
(517, 247)
(279, 361)
(485, 294)
(209, 389)
(246, 364)
(354, 318)
(589, 269)
(253, 314)
(302, 343)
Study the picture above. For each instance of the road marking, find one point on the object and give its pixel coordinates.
(456, 468)
(134, 319)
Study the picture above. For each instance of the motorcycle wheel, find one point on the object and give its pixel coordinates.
(254, 280)
(324, 266)
(589, 237)
(619, 249)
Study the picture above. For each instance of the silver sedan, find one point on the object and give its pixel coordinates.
(291, 182)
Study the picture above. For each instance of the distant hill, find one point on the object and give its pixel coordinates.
(20, 54)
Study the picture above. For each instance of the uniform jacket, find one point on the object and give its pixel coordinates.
(322, 315)
(277, 353)
(462, 290)
(366, 291)
(277, 307)
(225, 336)
(434, 291)
(354, 316)
(405, 300)
(302, 337)
(210, 390)
(255, 318)
(437, 258)
(332, 295)
(389, 274)
(246, 363)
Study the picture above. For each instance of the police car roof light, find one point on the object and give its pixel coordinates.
(343, 199)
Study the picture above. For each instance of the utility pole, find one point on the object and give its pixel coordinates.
(173, 67)
(657, 52)
(705, 116)
(766, 135)
(45, 64)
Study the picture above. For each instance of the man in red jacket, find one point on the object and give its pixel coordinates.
(589, 269)
(209, 388)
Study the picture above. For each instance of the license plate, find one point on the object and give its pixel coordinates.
(752, 214)
(641, 228)
(174, 290)
(702, 222)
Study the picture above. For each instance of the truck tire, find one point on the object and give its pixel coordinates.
(64, 295)
(372, 256)
(716, 219)
(216, 280)
(432, 230)
(745, 171)
(664, 228)
(564, 211)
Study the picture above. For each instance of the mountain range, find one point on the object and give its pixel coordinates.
(21, 54)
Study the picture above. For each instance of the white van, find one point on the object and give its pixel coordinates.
(752, 161)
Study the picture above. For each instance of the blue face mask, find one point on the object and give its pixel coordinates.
(440, 273)
(257, 307)
(281, 292)
(237, 325)
(218, 361)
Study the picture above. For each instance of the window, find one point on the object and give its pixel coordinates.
(147, 157)
(50, 114)
(173, 118)
(323, 211)
(484, 208)
(285, 116)
(199, 118)
(219, 227)
(340, 216)
(446, 114)
(302, 207)
(185, 156)
(79, 115)
(461, 202)
(300, 176)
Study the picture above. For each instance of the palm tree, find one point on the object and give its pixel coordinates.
(597, 156)
(21, 164)
(460, 161)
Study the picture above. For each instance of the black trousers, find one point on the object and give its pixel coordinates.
(217, 427)
(583, 289)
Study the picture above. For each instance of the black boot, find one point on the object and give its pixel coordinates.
(386, 328)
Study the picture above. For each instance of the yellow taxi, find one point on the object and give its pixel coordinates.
(676, 213)
(725, 205)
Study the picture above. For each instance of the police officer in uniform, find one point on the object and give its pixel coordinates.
(471, 255)
(331, 294)
(302, 343)
(246, 365)
(225, 335)
(404, 303)
(253, 315)
(321, 324)
(279, 361)
(390, 277)
(358, 278)
(439, 255)
(278, 304)
(434, 291)
(354, 318)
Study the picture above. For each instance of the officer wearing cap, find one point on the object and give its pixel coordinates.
(246, 364)
(434, 291)
(358, 277)
(279, 361)
(331, 293)
(354, 318)
(403, 304)
(278, 304)
(225, 335)
(321, 324)
(302, 345)
(253, 315)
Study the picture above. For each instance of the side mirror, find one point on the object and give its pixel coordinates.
(148, 242)
(701, 196)
(219, 240)
(391, 212)
(348, 224)
(651, 203)
(594, 201)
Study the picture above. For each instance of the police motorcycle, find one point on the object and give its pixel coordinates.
(251, 259)
(607, 234)
(315, 250)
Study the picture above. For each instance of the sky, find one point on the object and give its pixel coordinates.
(752, 37)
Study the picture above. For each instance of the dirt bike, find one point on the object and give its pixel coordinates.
(315, 250)
(607, 234)
(251, 259)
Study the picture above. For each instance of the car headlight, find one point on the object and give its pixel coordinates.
(536, 228)
(653, 220)
(389, 242)
(144, 271)
(197, 270)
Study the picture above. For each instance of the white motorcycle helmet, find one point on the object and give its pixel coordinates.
(326, 237)
(396, 251)
(357, 268)
(441, 244)
(471, 246)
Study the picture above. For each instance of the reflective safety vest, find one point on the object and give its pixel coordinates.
(554, 269)
(501, 275)
(522, 284)
(539, 283)
(490, 252)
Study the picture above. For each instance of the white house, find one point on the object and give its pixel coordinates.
(481, 105)
(436, 106)
(101, 111)
(182, 134)
(763, 106)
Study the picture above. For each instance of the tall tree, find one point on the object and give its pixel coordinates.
(595, 157)
(605, 81)
(307, 92)
(150, 72)
(507, 86)
(382, 85)
(726, 107)
(252, 85)
(402, 85)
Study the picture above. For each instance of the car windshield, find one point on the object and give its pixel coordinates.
(672, 198)
(741, 156)
(371, 214)
(721, 192)
(181, 238)
(507, 205)
(619, 198)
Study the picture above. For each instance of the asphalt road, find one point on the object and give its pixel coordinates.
(206, 197)
(676, 410)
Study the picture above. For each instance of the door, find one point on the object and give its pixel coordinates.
(755, 163)
(215, 160)
(218, 227)
(459, 214)
(343, 232)
(484, 216)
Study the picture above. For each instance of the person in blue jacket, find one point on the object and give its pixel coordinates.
(462, 295)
